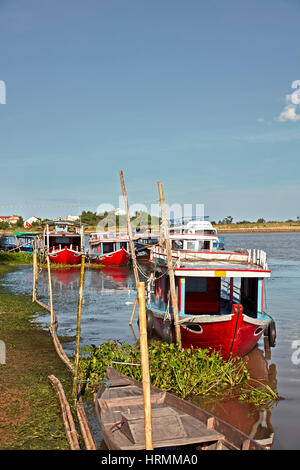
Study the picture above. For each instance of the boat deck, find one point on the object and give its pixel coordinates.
(122, 411)
(175, 422)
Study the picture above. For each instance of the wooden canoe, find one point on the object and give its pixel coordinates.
(175, 422)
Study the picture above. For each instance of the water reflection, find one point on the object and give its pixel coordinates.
(253, 421)
(108, 280)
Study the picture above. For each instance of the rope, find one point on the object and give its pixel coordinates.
(125, 363)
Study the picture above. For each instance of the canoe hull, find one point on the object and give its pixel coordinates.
(175, 422)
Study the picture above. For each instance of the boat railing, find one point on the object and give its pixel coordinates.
(255, 257)
(108, 236)
(258, 257)
(186, 220)
(58, 247)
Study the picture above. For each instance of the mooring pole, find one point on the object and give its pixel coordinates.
(145, 365)
(34, 271)
(132, 248)
(133, 310)
(80, 297)
(50, 293)
(170, 264)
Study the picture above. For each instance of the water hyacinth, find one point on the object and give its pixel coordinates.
(184, 372)
(180, 371)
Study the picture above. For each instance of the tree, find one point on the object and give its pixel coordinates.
(228, 220)
(261, 221)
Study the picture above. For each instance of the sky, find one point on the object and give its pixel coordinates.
(202, 96)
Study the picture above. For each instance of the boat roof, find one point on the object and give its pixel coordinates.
(221, 269)
(216, 264)
(63, 233)
(63, 222)
(26, 234)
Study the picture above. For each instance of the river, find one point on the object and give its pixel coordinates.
(109, 294)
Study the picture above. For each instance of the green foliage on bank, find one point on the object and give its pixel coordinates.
(184, 372)
(19, 257)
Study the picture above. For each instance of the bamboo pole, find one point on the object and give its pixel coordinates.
(170, 265)
(133, 310)
(145, 366)
(71, 432)
(34, 271)
(80, 296)
(86, 432)
(132, 248)
(50, 293)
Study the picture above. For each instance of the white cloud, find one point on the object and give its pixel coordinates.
(289, 112)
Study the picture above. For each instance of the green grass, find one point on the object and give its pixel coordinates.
(30, 414)
(14, 258)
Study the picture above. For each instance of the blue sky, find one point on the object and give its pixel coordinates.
(194, 94)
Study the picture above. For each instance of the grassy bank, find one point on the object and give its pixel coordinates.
(14, 258)
(30, 414)
(267, 227)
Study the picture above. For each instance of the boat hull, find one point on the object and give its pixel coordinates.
(65, 256)
(175, 422)
(233, 335)
(116, 258)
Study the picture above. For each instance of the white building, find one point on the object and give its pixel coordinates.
(119, 212)
(28, 222)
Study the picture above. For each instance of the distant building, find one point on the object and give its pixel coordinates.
(11, 219)
(28, 222)
(119, 212)
(73, 218)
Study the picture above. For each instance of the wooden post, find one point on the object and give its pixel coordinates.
(134, 308)
(80, 296)
(47, 228)
(132, 248)
(145, 365)
(170, 265)
(50, 293)
(34, 271)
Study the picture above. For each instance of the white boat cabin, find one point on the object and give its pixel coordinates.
(108, 242)
(195, 235)
(211, 287)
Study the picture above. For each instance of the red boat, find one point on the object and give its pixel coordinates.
(109, 249)
(220, 304)
(116, 258)
(62, 244)
(65, 255)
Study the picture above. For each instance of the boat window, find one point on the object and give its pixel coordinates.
(108, 247)
(61, 240)
(190, 245)
(249, 292)
(196, 284)
(202, 295)
(177, 245)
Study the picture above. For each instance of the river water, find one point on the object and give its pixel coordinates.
(109, 295)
